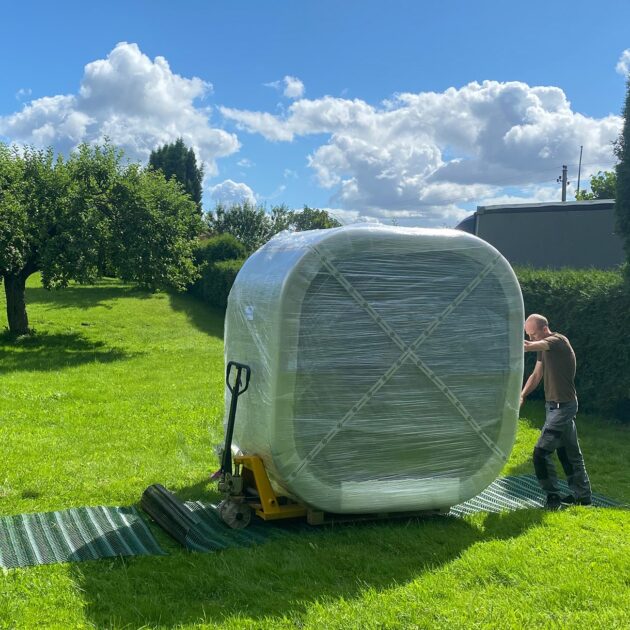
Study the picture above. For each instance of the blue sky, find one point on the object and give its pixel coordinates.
(404, 112)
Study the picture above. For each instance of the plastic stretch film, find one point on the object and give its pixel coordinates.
(386, 365)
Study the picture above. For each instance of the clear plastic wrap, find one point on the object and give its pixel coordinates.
(386, 365)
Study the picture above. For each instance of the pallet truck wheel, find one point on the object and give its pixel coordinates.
(236, 515)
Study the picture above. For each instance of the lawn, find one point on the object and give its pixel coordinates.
(119, 389)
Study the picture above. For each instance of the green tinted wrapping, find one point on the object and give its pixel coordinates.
(386, 365)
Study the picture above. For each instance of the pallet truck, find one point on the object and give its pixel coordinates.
(242, 479)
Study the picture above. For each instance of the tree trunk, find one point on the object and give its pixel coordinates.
(14, 289)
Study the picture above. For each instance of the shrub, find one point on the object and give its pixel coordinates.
(592, 308)
(219, 259)
(221, 247)
(216, 281)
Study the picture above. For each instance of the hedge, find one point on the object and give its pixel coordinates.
(592, 308)
(219, 259)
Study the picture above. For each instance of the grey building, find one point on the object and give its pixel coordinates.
(575, 234)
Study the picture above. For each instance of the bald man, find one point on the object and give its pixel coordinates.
(555, 364)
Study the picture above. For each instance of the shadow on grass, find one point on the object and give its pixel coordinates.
(84, 296)
(42, 352)
(205, 318)
(281, 578)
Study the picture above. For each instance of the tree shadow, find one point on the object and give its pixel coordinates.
(84, 296)
(43, 352)
(283, 577)
(205, 318)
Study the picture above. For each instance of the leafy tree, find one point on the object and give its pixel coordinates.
(73, 219)
(313, 219)
(603, 186)
(249, 224)
(254, 226)
(178, 161)
(622, 199)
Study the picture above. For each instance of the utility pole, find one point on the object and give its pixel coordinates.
(579, 172)
(564, 181)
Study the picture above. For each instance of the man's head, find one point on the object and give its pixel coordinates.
(537, 327)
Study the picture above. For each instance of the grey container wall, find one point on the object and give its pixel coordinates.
(386, 365)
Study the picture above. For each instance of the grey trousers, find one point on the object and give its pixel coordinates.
(559, 434)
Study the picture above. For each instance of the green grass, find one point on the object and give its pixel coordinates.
(120, 389)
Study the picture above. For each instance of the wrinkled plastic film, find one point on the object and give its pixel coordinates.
(386, 365)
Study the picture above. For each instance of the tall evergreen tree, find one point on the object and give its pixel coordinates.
(178, 161)
(622, 200)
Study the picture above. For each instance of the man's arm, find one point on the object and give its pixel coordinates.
(533, 381)
(536, 346)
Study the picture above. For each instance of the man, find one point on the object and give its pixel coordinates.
(556, 364)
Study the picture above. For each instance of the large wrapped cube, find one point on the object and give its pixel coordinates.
(386, 365)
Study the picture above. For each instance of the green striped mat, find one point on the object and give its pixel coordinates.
(85, 533)
(505, 494)
(89, 533)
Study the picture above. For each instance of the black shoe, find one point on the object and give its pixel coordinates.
(571, 500)
(553, 502)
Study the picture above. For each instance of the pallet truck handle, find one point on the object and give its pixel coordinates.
(226, 463)
(237, 385)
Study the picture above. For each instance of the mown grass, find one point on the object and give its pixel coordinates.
(120, 389)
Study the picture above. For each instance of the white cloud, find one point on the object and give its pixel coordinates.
(293, 87)
(229, 192)
(623, 65)
(245, 163)
(426, 154)
(136, 102)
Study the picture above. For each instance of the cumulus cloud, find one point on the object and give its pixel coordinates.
(623, 65)
(291, 87)
(137, 102)
(427, 154)
(230, 192)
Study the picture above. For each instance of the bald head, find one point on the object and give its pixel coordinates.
(537, 327)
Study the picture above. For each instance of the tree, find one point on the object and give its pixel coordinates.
(72, 219)
(313, 219)
(175, 160)
(622, 199)
(249, 224)
(603, 186)
(254, 226)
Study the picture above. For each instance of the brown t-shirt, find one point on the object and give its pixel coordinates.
(558, 369)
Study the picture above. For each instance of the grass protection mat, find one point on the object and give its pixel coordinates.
(89, 533)
(85, 533)
(207, 532)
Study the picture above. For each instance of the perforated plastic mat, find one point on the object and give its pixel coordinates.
(516, 493)
(90, 533)
(504, 494)
(85, 533)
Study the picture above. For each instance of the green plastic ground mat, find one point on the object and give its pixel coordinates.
(207, 532)
(210, 533)
(506, 494)
(85, 533)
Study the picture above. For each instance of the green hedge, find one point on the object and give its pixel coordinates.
(592, 308)
(219, 259)
(216, 281)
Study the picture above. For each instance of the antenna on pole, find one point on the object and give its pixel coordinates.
(579, 170)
